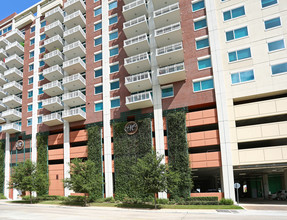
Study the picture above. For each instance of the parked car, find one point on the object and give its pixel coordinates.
(280, 195)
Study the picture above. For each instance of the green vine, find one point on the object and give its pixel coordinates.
(127, 149)
(178, 152)
(2, 165)
(95, 155)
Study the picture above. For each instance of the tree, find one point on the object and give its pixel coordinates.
(82, 178)
(152, 176)
(24, 177)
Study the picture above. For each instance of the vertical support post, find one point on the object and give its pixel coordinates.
(265, 186)
(66, 154)
(7, 166)
(285, 179)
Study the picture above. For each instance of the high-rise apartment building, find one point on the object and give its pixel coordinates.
(66, 65)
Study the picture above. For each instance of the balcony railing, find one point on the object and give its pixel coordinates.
(133, 5)
(74, 94)
(138, 97)
(52, 69)
(135, 40)
(73, 30)
(136, 58)
(135, 21)
(13, 70)
(52, 39)
(52, 85)
(12, 98)
(168, 29)
(166, 10)
(53, 11)
(3, 66)
(137, 78)
(12, 112)
(169, 49)
(54, 24)
(2, 79)
(74, 77)
(15, 32)
(171, 69)
(52, 54)
(74, 112)
(14, 57)
(13, 84)
(73, 46)
(12, 128)
(52, 117)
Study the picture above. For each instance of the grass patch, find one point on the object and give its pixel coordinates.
(200, 207)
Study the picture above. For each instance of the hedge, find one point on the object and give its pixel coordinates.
(2, 165)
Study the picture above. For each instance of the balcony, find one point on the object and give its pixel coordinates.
(52, 119)
(2, 79)
(3, 54)
(14, 61)
(56, 28)
(75, 19)
(11, 128)
(3, 66)
(53, 88)
(170, 74)
(168, 35)
(75, 5)
(74, 50)
(54, 58)
(138, 101)
(24, 20)
(128, 1)
(75, 98)
(134, 9)
(138, 63)
(170, 54)
(75, 34)
(54, 43)
(53, 104)
(161, 4)
(15, 48)
(53, 73)
(137, 45)
(15, 35)
(3, 42)
(2, 93)
(136, 27)
(138, 82)
(75, 65)
(55, 14)
(12, 115)
(167, 15)
(49, 5)
(72, 115)
(13, 87)
(74, 82)
(12, 101)
(2, 120)
(2, 107)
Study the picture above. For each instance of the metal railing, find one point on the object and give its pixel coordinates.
(14, 57)
(52, 84)
(52, 54)
(138, 97)
(171, 69)
(15, 126)
(73, 30)
(137, 77)
(13, 84)
(74, 94)
(12, 112)
(11, 98)
(135, 40)
(73, 112)
(15, 44)
(74, 45)
(135, 21)
(53, 116)
(13, 70)
(54, 38)
(74, 77)
(74, 61)
(52, 100)
(133, 5)
(52, 69)
(136, 58)
(73, 15)
(169, 49)
(70, 2)
(54, 24)
(16, 31)
(166, 10)
(53, 11)
(168, 29)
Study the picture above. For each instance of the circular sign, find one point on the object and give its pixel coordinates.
(237, 185)
(131, 128)
(19, 145)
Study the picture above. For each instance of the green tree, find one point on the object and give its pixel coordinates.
(152, 176)
(82, 178)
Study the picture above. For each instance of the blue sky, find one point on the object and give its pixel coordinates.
(8, 7)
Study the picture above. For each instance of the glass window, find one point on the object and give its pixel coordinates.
(113, 20)
(32, 29)
(114, 35)
(266, 3)
(40, 105)
(113, 5)
(98, 56)
(30, 108)
(40, 91)
(31, 54)
(167, 92)
(200, 24)
(30, 80)
(42, 37)
(98, 41)
(42, 50)
(98, 107)
(243, 76)
(202, 43)
(98, 89)
(234, 13)
(42, 63)
(115, 103)
(40, 119)
(275, 22)
(276, 45)
(114, 68)
(30, 94)
(98, 11)
(236, 34)
(31, 67)
(203, 64)
(114, 51)
(96, 0)
(32, 41)
(98, 26)
(279, 68)
(197, 6)
(41, 77)
(115, 85)
(203, 85)
(43, 24)
(98, 73)
(29, 122)
(239, 55)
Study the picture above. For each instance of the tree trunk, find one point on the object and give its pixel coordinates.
(30, 197)
(155, 200)
(85, 199)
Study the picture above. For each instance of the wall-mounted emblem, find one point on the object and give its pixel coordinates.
(131, 128)
(19, 145)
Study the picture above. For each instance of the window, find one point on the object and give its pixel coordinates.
(200, 24)
(98, 56)
(197, 6)
(115, 103)
(43, 24)
(31, 54)
(234, 13)
(114, 68)
(30, 94)
(114, 51)
(98, 106)
(30, 108)
(98, 73)
(203, 43)
(276, 45)
(40, 119)
(272, 23)
(42, 63)
(98, 26)
(29, 122)
(113, 5)
(98, 89)
(41, 77)
(98, 41)
(31, 67)
(30, 80)
(243, 76)
(115, 85)
(40, 91)
(279, 68)
(114, 35)
(5, 30)
(204, 63)
(32, 41)
(266, 3)
(98, 11)
(42, 37)
(167, 92)
(113, 20)
(42, 50)
(40, 105)
(236, 34)
(239, 55)
(32, 29)
(203, 85)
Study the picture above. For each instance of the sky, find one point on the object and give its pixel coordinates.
(8, 7)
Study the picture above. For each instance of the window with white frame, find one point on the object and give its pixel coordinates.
(203, 84)
(239, 55)
(242, 76)
(233, 13)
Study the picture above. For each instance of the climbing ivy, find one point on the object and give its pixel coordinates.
(2, 165)
(95, 155)
(178, 157)
(127, 149)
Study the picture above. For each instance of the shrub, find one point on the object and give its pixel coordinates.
(162, 201)
(110, 199)
(226, 202)
(210, 198)
(2, 196)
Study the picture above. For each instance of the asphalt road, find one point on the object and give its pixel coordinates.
(47, 212)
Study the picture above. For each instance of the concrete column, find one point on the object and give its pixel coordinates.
(285, 179)
(265, 186)
(7, 166)
(67, 154)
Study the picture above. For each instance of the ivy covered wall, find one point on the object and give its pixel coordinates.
(178, 157)
(95, 155)
(127, 149)
(2, 165)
